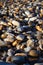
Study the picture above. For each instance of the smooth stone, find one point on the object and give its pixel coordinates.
(33, 18)
(20, 37)
(18, 59)
(27, 13)
(15, 23)
(27, 49)
(38, 64)
(3, 36)
(33, 53)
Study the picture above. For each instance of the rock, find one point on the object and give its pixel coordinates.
(2, 43)
(30, 43)
(3, 36)
(20, 54)
(28, 13)
(10, 38)
(33, 53)
(27, 49)
(10, 52)
(15, 23)
(39, 29)
(20, 37)
(23, 28)
(20, 29)
(33, 19)
(15, 42)
(18, 59)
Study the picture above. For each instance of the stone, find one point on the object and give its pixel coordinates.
(20, 29)
(27, 49)
(15, 42)
(20, 54)
(33, 18)
(10, 52)
(15, 23)
(33, 53)
(3, 36)
(18, 59)
(20, 37)
(2, 43)
(10, 38)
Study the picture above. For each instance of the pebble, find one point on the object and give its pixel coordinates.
(27, 49)
(27, 13)
(10, 38)
(20, 29)
(33, 19)
(15, 23)
(20, 37)
(3, 36)
(2, 43)
(15, 42)
(33, 53)
(18, 59)
(10, 52)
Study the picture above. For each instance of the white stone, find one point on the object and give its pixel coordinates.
(33, 18)
(27, 49)
(15, 23)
